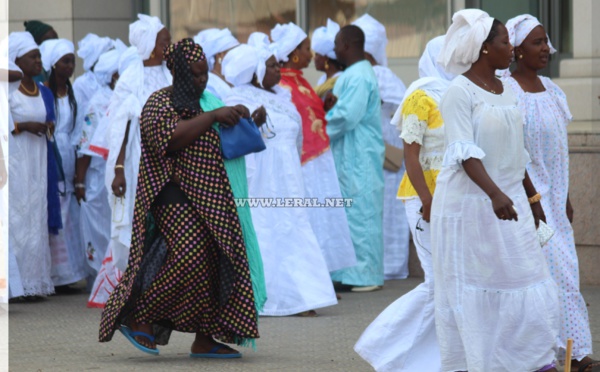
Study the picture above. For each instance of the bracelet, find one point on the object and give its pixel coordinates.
(17, 131)
(534, 199)
(79, 185)
(120, 166)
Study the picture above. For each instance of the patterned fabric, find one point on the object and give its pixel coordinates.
(211, 237)
(315, 140)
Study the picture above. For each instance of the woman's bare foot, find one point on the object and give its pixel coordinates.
(576, 364)
(203, 344)
(308, 314)
(146, 328)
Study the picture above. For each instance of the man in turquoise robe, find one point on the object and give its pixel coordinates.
(354, 129)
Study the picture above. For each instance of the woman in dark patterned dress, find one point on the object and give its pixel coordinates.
(188, 269)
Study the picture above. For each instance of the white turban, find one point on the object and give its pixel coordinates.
(323, 39)
(428, 66)
(130, 55)
(107, 65)
(214, 41)
(468, 31)
(521, 26)
(243, 61)
(286, 39)
(19, 44)
(91, 47)
(53, 50)
(142, 34)
(259, 39)
(375, 38)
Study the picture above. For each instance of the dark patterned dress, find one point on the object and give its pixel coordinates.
(188, 269)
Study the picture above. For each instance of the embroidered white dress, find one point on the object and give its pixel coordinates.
(218, 87)
(296, 274)
(67, 248)
(496, 305)
(28, 207)
(546, 117)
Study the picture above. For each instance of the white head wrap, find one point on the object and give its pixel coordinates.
(142, 34)
(19, 44)
(107, 65)
(215, 41)
(323, 38)
(520, 27)
(243, 61)
(53, 50)
(259, 39)
(286, 38)
(91, 47)
(468, 31)
(129, 55)
(375, 37)
(428, 66)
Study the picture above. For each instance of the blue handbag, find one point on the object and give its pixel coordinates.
(241, 139)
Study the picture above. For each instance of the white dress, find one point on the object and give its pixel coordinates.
(28, 207)
(546, 118)
(218, 87)
(496, 305)
(67, 249)
(395, 227)
(296, 274)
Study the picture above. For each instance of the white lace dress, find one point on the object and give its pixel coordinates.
(496, 305)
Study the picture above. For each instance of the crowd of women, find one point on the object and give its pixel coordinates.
(123, 177)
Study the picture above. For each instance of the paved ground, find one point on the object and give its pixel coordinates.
(60, 334)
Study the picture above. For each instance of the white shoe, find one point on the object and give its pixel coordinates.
(366, 288)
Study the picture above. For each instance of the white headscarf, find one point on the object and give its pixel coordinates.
(243, 61)
(286, 39)
(107, 65)
(375, 37)
(433, 78)
(215, 41)
(19, 44)
(520, 27)
(323, 38)
(127, 57)
(468, 31)
(259, 39)
(142, 34)
(91, 47)
(53, 50)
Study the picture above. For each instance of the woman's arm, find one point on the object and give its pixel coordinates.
(81, 166)
(502, 205)
(536, 207)
(119, 183)
(417, 179)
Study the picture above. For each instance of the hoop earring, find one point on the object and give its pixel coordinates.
(295, 59)
(326, 65)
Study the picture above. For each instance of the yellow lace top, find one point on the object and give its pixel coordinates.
(422, 123)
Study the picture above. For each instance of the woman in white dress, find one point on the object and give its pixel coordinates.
(496, 305)
(330, 224)
(68, 252)
(216, 43)
(296, 275)
(546, 112)
(144, 76)
(403, 336)
(28, 207)
(322, 43)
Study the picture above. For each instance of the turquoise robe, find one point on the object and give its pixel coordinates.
(354, 129)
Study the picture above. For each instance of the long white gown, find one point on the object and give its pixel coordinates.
(28, 207)
(296, 274)
(67, 249)
(496, 305)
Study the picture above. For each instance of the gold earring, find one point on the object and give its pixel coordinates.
(152, 55)
(484, 51)
(326, 65)
(295, 59)
(520, 56)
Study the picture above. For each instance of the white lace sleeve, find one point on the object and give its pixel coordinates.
(413, 129)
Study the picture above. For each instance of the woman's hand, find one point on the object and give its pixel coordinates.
(426, 209)
(80, 194)
(119, 184)
(259, 116)
(330, 101)
(538, 213)
(504, 208)
(39, 129)
(231, 115)
(569, 210)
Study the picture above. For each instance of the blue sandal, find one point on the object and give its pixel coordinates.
(213, 353)
(130, 335)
